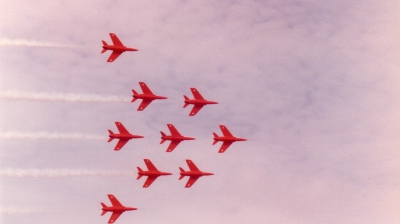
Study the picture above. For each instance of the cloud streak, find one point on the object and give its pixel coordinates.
(8, 172)
(60, 97)
(32, 43)
(50, 136)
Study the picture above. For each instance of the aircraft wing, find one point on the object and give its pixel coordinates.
(224, 146)
(191, 181)
(173, 130)
(149, 181)
(115, 40)
(144, 104)
(172, 145)
(145, 89)
(114, 55)
(225, 131)
(191, 165)
(150, 165)
(121, 128)
(114, 201)
(195, 109)
(120, 144)
(114, 216)
(196, 94)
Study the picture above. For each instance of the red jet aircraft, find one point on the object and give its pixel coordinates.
(118, 48)
(193, 174)
(151, 174)
(147, 96)
(117, 208)
(198, 102)
(124, 136)
(227, 138)
(175, 137)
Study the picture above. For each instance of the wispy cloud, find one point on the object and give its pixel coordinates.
(31, 43)
(8, 172)
(60, 97)
(49, 135)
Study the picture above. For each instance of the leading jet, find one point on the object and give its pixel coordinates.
(116, 208)
(227, 138)
(118, 48)
(124, 136)
(198, 101)
(194, 173)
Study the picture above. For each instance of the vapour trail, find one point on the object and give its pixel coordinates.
(50, 136)
(21, 210)
(31, 43)
(8, 172)
(60, 97)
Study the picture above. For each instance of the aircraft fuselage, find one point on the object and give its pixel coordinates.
(195, 173)
(118, 209)
(125, 136)
(119, 48)
(229, 139)
(153, 173)
(200, 102)
(149, 97)
(177, 138)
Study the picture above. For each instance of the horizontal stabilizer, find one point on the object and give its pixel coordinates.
(104, 43)
(139, 176)
(104, 50)
(133, 99)
(215, 135)
(215, 142)
(103, 205)
(162, 141)
(104, 212)
(134, 92)
(182, 170)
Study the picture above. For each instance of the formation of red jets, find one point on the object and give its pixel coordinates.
(152, 173)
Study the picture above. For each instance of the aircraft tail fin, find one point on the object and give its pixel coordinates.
(104, 206)
(111, 133)
(104, 44)
(134, 98)
(186, 98)
(182, 170)
(163, 135)
(215, 136)
(140, 175)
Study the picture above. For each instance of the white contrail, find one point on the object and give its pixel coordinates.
(21, 210)
(47, 135)
(8, 172)
(60, 97)
(30, 43)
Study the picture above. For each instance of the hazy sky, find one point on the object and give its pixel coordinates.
(313, 85)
